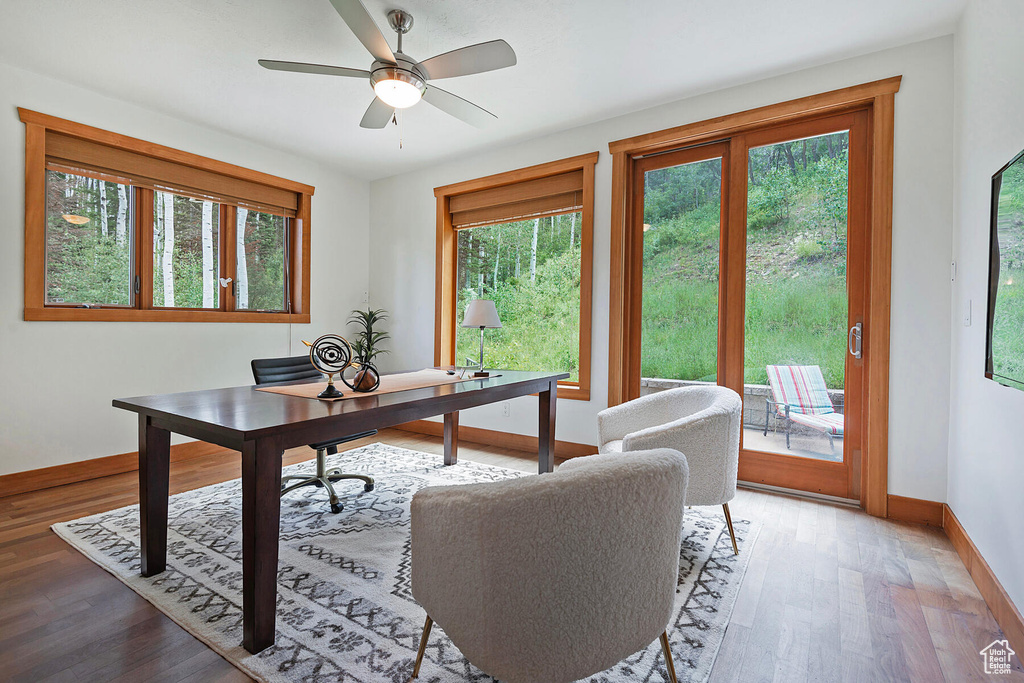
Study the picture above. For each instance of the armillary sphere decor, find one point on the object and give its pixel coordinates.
(331, 354)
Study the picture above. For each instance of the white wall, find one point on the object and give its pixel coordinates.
(402, 233)
(58, 378)
(986, 449)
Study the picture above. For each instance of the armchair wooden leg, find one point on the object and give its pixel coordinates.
(732, 533)
(423, 646)
(668, 658)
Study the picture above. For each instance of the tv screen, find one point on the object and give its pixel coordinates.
(1005, 348)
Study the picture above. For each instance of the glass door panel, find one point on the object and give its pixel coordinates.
(681, 246)
(797, 302)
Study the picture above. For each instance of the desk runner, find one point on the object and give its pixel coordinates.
(402, 381)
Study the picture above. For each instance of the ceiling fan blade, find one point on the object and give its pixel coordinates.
(377, 115)
(496, 54)
(458, 107)
(362, 24)
(302, 67)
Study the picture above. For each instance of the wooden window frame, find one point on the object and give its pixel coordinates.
(207, 170)
(874, 100)
(447, 251)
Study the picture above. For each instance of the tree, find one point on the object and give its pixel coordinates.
(242, 269)
(497, 260)
(166, 261)
(209, 277)
(533, 251)
(104, 225)
(121, 227)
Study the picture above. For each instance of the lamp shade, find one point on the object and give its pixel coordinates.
(481, 313)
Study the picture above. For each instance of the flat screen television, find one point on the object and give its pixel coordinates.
(1004, 354)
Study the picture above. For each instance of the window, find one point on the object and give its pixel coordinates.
(522, 239)
(119, 229)
(88, 241)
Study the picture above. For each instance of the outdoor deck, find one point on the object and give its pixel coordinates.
(802, 444)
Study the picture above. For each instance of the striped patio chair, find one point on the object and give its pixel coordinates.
(799, 395)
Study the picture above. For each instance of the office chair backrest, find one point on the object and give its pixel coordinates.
(265, 370)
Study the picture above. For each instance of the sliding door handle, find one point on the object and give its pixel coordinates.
(856, 334)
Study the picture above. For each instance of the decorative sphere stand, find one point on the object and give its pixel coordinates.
(331, 354)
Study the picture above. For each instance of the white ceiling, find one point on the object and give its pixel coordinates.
(578, 61)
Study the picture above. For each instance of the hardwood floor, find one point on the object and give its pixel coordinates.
(830, 594)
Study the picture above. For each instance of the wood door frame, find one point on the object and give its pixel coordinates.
(876, 100)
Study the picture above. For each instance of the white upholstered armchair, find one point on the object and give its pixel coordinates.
(703, 423)
(552, 578)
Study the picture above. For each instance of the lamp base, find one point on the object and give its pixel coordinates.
(481, 373)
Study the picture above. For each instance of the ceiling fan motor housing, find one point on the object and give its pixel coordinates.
(405, 70)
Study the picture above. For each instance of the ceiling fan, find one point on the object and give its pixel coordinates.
(398, 80)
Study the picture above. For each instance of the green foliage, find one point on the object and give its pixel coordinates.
(796, 303)
(86, 268)
(808, 249)
(829, 181)
(769, 203)
(89, 260)
(264, 257)
(539, 312)
(1008, 332)
(84, 263)
(1008, 324)
(663, 195)
(796, 321)
(366, 344)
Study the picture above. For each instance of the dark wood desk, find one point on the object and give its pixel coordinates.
(262, 425)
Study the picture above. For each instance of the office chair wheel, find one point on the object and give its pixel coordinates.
(336, 508)
(368, 488)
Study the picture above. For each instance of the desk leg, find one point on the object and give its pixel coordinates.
(451, 438)
(546, 429)
(261, 528)
(154, 468)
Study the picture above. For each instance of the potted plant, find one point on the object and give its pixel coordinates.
(366, 346)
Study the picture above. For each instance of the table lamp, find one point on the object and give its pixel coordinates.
(483, 314)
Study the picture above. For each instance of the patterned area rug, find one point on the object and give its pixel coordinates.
(345, 612)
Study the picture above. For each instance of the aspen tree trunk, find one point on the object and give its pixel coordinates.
(209, 277)
(242, 267)
(121, 227)
(481, 253)
(158, 241)
(519, 268)
(572, 231)
(103, 209)
(497, 260)
(533, 251)
(166, 262)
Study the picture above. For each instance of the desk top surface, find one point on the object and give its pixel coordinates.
(247, 412)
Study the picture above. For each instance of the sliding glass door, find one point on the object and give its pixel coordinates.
(754, 261)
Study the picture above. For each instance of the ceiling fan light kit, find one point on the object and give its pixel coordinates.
(398, 81)
(397, 87)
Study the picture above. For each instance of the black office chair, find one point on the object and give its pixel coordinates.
(267, 370)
